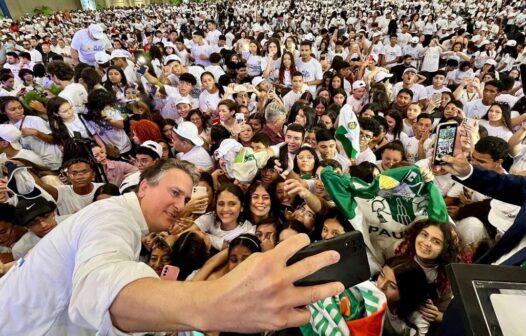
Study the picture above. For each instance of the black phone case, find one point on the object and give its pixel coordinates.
(352, 269)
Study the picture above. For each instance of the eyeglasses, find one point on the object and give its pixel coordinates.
(365, 136)
(78, 173)
(305, 158)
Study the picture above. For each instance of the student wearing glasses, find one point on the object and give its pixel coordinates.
(71, 198)
(369, 129)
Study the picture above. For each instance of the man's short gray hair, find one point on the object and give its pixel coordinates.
(153, 174)
(274, 112)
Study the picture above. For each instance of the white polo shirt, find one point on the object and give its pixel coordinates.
(74, 273)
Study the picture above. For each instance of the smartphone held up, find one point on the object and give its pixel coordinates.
(446, 136)
(350, 270)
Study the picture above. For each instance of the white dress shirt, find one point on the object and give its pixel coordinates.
(67, 283)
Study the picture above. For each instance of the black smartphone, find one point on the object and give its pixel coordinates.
(446, 135)
(352, 269)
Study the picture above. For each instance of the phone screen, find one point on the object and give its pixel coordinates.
(445, 144)
(240, 118)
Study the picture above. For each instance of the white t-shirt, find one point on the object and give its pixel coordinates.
(411, 149)
(81, 265)
(254, 67)
(213, 37)
(430, 90)
(366, 155)
(198, 50)
(87, 47)
(76, 95)
(50, 154)
(444, 182)
(111, 135)
(15, 69)
(207, 223)
(199, 157)
(391, 53)
(475, 109)
(208, 100)
(311, 71)
(290, 98)
(507, 98)
(496, 131)
(519, 161)
(36, 56)
(431, 59)
(69, 202)
(77, 126)
(419, 91)
(377, 48)
(216, 70)
(415, 53)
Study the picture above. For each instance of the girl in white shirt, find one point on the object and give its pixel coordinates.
(253, 58)
(272, 61)
(413, 111)
(226, 222)
(497, 121)
(211, 95)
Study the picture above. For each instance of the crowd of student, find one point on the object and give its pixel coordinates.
(251, 93)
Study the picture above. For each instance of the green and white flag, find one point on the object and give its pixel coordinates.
(357, 311)
(387, 207)
(348, 132)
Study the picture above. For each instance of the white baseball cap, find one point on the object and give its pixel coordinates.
(96, 31)
(511, 43)
(374, 57)
(491, 61)
(411, 69)
(154, 146)
(130, 181)
(183, 100)
(358, 84)
(189, 131)
(120, 53)
(502, 215)
(101, 57)
(257, 80)
(381, 75)
(169, 45)
(172, 57)
(12, 135)
(415, 39)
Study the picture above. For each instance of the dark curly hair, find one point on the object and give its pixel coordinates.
(450, 251)
(97, 100)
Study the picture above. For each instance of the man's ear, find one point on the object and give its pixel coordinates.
(143, 187)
